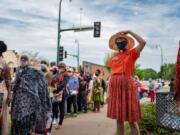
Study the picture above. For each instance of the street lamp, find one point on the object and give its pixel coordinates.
(159, 46)
(81, 9)
(59, 30)
(77, 42)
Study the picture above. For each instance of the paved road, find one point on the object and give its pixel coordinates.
(88, 124)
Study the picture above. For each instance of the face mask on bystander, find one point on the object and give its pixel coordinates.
(61, 70)
(23, 63)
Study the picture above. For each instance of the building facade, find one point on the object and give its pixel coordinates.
(90, 68)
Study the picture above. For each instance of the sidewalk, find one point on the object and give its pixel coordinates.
(88, 124)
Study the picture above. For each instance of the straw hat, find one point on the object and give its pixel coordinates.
(112, 41)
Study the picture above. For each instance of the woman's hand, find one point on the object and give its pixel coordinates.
(140, 40)
(125, 32)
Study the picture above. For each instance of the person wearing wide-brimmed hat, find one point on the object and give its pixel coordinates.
(123, 103)
(5, 92)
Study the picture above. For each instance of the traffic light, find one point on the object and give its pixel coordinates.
(61, 53)
(65, 54)
(97, 29)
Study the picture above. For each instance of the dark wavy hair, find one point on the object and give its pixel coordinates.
(3, 47)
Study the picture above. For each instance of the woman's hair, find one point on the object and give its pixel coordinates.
(44, 62)
(3, 47)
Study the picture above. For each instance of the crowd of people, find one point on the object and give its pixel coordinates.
(148, 89)
(41, 97)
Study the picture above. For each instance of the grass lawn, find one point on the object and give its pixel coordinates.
(128, 131)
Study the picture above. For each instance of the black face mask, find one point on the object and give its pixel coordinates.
(54, 72)
(121, 44)
(43, 70)
(1, 77)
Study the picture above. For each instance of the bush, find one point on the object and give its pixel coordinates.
(148, 124)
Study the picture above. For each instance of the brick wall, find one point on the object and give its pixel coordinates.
(90, 67)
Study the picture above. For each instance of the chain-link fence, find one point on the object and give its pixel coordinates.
(166, 111)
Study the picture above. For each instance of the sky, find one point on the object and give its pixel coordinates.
(31, 25)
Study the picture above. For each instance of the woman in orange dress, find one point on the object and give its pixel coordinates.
(123, 103)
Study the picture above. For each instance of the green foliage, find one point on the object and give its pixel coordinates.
(169, 70)
(150, 73)
(148, 124)
(145, 73)
(139, 72)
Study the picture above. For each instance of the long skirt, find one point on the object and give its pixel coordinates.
(4, 111)
(123, 103)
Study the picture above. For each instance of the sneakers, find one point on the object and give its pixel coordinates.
(55, 121)
(74, 115)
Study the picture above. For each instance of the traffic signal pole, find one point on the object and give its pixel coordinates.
(162, 61)
(77, 41)
(75, 29)
(96, 28)
(76, 56)
(59, 28)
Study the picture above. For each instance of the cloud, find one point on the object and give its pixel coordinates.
(32, 25)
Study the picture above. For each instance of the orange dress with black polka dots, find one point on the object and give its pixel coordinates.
(123, 103)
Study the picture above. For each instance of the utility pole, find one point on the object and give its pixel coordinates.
(162, 60)
(77, 41)
(96, 28)
(59, 27)
(59, 30)
(81, 9)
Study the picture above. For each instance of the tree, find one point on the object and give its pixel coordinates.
(150, 73)
(168, 71)
(139, 72)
